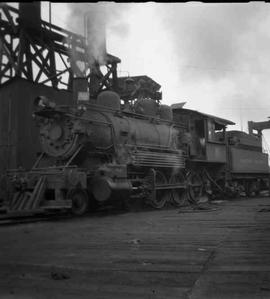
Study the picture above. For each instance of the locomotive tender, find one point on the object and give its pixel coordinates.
(104, 150)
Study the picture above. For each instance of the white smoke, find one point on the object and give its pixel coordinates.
(93, 20)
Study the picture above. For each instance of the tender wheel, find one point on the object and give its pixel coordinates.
(252, 188)
(257, 188)
(233, 190)
(178, 196)
(80, 201)
(195, 187)
(248, 189)
(160, 196)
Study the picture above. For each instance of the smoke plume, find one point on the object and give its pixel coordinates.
(93, 20)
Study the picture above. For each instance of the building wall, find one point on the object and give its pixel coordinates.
(19, 143)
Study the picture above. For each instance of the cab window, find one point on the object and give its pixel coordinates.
(216, 132)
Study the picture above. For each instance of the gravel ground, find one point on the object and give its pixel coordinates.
(222, 252)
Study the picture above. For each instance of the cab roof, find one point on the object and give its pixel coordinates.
(218, 120)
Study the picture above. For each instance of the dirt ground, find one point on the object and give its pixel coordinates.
(217, 253)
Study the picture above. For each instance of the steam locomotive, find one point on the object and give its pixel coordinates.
(109, 150)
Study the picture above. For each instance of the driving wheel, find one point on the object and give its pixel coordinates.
(178, 195)
(160, 195)
(195, 187)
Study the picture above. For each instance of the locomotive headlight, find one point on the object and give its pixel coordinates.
(41, 102)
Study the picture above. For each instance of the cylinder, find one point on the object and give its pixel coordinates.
(104, 188)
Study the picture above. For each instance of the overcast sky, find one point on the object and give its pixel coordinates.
(214, 56)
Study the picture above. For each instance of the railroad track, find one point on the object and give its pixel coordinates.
(13, 218)
(20, 219)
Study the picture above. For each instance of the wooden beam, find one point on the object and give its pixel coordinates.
(9, 18)
(21, 53)
(39, 64)
(28, 60)
(60, 55)
(41, 70)
(57, 41)
(56, 75)
(52, 68)
(8, 53)
(6, 68)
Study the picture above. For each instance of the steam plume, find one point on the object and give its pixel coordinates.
(93, 19)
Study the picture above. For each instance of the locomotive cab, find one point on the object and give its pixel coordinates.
(206, 135)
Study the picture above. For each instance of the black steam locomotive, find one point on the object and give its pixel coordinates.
(112, 150)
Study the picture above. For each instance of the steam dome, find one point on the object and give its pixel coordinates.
(109, 99)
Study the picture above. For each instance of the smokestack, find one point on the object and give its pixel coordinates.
(80, 90)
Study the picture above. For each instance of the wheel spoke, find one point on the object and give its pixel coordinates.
(195, 187)
(161, 196)
(178, 196)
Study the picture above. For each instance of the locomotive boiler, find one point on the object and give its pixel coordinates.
(105, 151)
